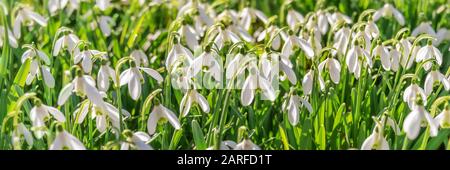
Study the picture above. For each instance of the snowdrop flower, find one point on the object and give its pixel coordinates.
(356, 59)
(256, 81)
(411, 93)
(443, 119)
(36, 68)
(387, 11)
(424, 27)
(247, 144)
(161, 114)
(176, 52)
(137, 140)
(395, 59)
(293, 106)
(139, 57)
(102, 116)
(200, 10)
(225, 35)
(381, 51)
(190, 34)
(86, 57)
(11, 38)
(293, 18)
(334, 69)
(318, 20)
(208, 61)
(68, 40)
(364, 37)
(105, 23)
(247, 15)
(407, 59)
(39, 114)
(271, 33)
(336, 17)
(441, 35)
(341, 40)
(294, 41)
(82, 85)
(377, 141)
(429, 52)
(225, 145)
(431, 78)
(105, 73)
(19, 131)
(372, 30)
(54, 5)
(418, 117)
(133, 77)
(65, 140)
(307, 82)
(25, 14)
(103, 4)
(191, 97)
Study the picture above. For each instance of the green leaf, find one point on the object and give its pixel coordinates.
(199, 138)
(21, 75)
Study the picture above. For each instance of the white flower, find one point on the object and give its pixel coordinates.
(36, 68)
(11, 38)
(271, 33)
(26, 14)
(86, 56)
(293, 18)
(225, 35)
(103, 4)
(415, 120)
(139, 57)
(355, 59)
(64, 140)
(105, 72)
(17, 134)
(334, 69)
(431, 78)
(176, 52)
(411, 93)
(38, 115)
(225, 145)
(137, 140)
(371, 29)
(293, 41)
(387, 11)
(443, 119)
(336, 17)
(102, 116)
(68, 40)
(54, 5)
(424, 27)
(161, 114)
(376, 140)
(192, 96)
(191, 36)
(381, 51)
(82, 85)
(247, 15)
(105, 23)
(307, 82)
(341, 40)
(293, 105)
(395, 59)
(134, 78)
(407, 59)
(256, 81)
(441, 35)
(429, 52)
(208, 61)
(247, 144)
